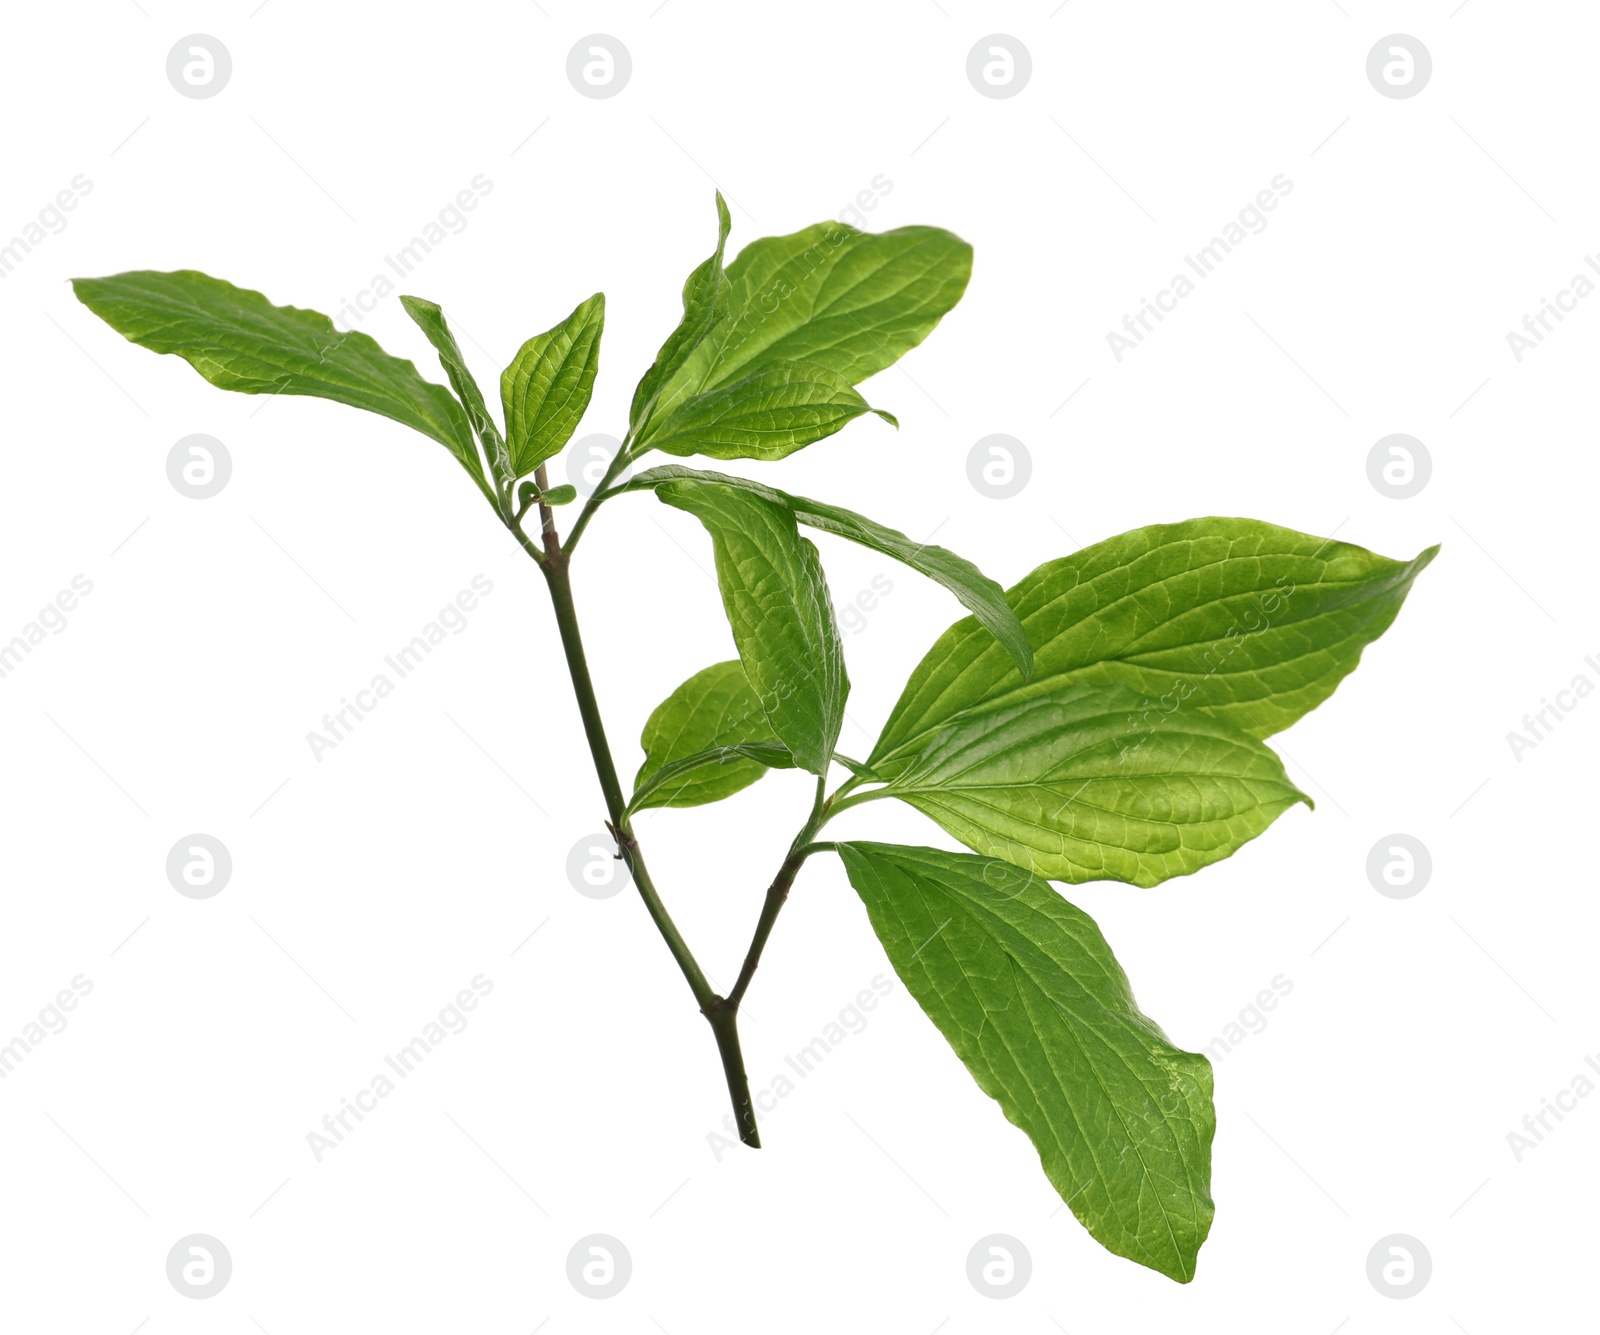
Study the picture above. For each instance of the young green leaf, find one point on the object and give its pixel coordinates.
(772, 412)
(777, 602)
(704, 776)
(706, 741)
(430, 319)
(545, 391)
(1243, 620)
(979, 594)
(851, 301)
(1026, 990)
(1082, 783)
(239, 340)
(705, 301)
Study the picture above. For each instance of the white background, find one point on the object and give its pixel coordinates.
(369, 887)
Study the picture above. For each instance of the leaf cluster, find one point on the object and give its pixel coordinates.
(1105, 718)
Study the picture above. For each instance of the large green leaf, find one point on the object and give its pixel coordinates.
(851, 301)
(1081, 783)
(976, 591)
(705, 301)
(430, 319)
(782, 618)
(706, 741)
(1246, 621)
(1026, 990)
(546, 389)
(777, 409)
(239, 340)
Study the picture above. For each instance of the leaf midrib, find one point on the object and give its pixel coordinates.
(1009, 748)
(982, 922)
(711, 381)
(912, 741)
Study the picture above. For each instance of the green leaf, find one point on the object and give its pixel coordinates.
(562, 495)
(706, 741)
(705, 301)
(709, 775)
(239, 340)
(1243, 620)
(430, 319)
(851, 301)
(546, 389)
(772, 412)
(1026, 990)
(1082, 783)
(976, 591)
(778, 607)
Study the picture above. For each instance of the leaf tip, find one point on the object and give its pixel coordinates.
(1186, 1275)
(88, 290)
(420, 306)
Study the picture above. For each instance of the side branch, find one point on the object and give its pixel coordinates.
(778, 893)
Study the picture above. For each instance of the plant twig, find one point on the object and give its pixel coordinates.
(719, 1011)
(600, 496)
(556, 575)
(547, 525)
(778, 893)
(855, 799)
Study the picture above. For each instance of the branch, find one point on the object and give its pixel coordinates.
(778, 892)
(719, 1012)
(600, 495)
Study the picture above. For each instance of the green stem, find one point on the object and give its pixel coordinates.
(725, 1026)
(556, 575)
(778, 893)
(845, 789)
(719, 1011)
(599, 497)
(856, 799)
